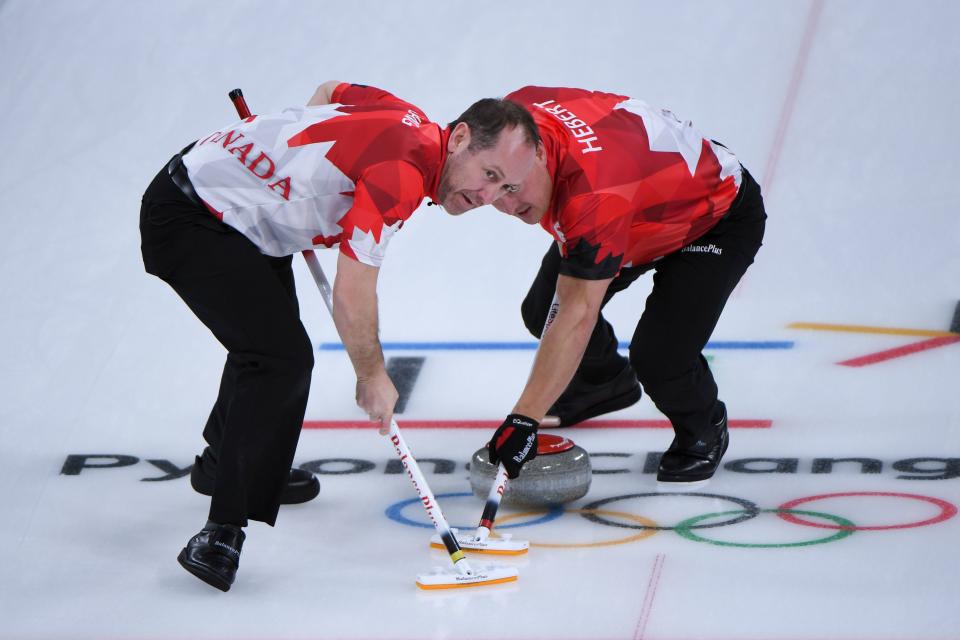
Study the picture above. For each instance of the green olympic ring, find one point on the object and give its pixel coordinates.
(685, 529)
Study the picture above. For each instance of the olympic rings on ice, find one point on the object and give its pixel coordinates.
(598, 513)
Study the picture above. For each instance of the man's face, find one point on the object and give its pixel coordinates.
(530, 202)
(474, 178)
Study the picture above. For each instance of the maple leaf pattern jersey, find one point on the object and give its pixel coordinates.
(348, 173)
(631, 183)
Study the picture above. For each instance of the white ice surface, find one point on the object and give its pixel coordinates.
(103, 359)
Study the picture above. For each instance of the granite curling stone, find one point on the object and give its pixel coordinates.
(559, 474)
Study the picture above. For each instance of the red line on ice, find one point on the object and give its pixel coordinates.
(899, 352)
(799, 68)
(493, 424)
(651, 593)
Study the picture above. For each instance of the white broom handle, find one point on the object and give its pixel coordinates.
(500, 482)
(409, 462)
(326, 291)
(427, 498)
(492, 504)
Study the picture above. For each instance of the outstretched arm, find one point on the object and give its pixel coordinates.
(355, 314)
(514, 443)
(561, 348)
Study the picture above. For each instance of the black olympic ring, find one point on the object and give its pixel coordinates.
(750, 510)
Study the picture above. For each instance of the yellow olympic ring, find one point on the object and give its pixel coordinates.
(645, 533)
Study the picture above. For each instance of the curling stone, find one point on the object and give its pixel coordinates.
(560, 473)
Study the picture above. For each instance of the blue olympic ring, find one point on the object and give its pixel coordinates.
(395, 513)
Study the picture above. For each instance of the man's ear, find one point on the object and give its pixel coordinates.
(459, 138)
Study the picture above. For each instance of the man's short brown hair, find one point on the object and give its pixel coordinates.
(489, 116)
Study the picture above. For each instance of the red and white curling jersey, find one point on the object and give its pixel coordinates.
(631, 183)
(348, 173)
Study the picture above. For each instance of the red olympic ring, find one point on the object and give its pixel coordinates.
(947, 511)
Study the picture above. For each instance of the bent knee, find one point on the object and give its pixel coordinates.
(291, 358)
(645, 364)
(654, 365)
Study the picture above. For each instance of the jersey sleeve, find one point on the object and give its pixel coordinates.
(595, 230)
(386, 195)
(347, 93)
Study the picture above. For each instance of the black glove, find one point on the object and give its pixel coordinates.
(514, 443)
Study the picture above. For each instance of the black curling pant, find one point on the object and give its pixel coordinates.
(690, 289)
(248, 301)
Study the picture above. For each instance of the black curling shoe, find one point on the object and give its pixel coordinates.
(302, 486)
(213, 555)
(582, 401)
(700, 461)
